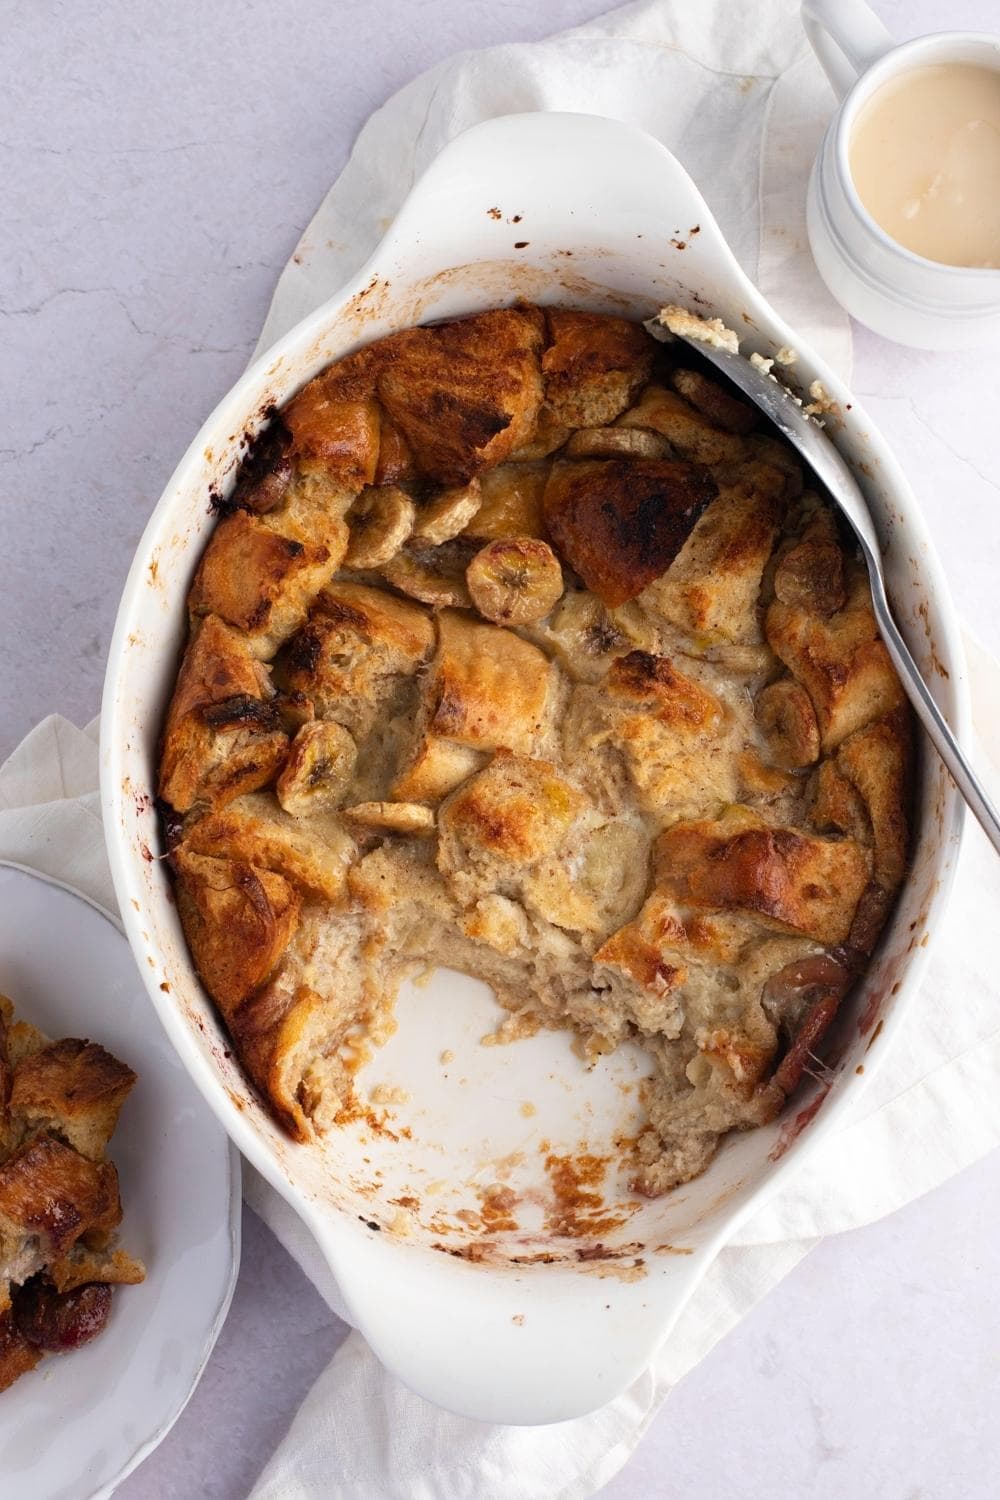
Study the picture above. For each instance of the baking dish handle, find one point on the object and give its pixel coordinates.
(595, 182)
(504, 1344)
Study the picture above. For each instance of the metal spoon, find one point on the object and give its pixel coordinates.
(831, 470)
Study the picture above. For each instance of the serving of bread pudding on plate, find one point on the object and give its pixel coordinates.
(520, 647)
(59, 1199)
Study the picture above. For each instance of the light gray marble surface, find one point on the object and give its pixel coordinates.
(158, 163)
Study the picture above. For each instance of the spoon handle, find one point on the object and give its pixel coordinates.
(947, 746)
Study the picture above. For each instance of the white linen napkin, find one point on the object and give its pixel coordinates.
(737, 95)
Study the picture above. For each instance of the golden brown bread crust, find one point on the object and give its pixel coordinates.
(335, 422)
(73, 1087)
(50, 1191)
(641, 783)
(260, 581)
(223, 733)
(794, 879)
(708, 397)
(620, 524)
(356, 647)
(511, 502)
(84, 1264)
(838, 658)
(59, 1200)
(268, 1031)
(713, 587)
(487, 689)
(464, 394)
(238, 921)
(314, 853)
(593, 367)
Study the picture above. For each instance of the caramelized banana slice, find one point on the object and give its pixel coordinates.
(715, 402)
(788, 721)
(319, 767)
(381, 519)
(515, 581)
(393, 817)
(434, 575)
(618, 442)
(448, 513)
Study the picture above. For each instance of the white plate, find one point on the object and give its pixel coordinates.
(75, 1426)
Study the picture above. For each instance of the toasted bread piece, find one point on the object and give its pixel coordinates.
(836, 806)
(396, 463)
(359, 645)
(620, 524)
(434, 767)
(487, 689)
(547, 436)
(260, 581)
(238, 921)
(73, 1089)
(876, 761)
(83, 1265)
(520, 827)
(790, 878)
(593, 367)
(255, 830)
(334, 421)
(294, 1034)
(712, 589)
(667, 727)
(464, 394)
(839, 659)
(223, 733)
(282, 1034)
(50, 1195)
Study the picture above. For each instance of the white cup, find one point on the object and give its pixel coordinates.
(903, 296)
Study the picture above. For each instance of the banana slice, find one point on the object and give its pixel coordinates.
(714, 402)
(585, 636)
(448, 513)
(393, 817)
(434, 575)
(381, 519)
(515, 580)
(787, 720)
(319, 767)
(618, 442)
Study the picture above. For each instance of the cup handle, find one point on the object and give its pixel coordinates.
(846, 36)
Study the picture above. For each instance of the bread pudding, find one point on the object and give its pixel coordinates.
(521, 647)
(59, 1203)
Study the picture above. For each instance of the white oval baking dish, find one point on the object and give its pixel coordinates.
(547, 1311)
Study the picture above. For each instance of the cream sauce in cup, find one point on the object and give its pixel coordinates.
(925, 158)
